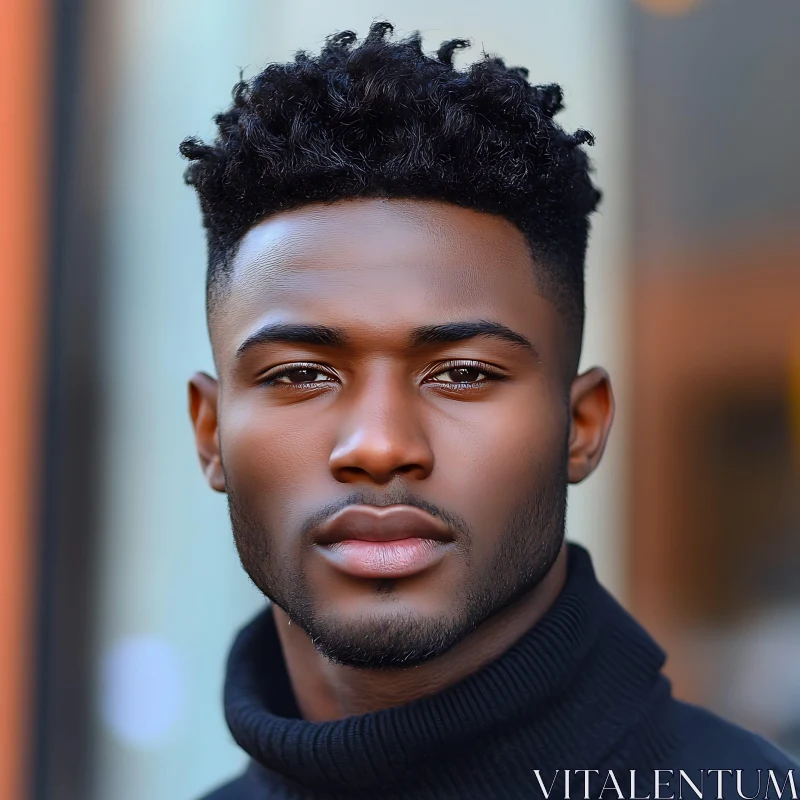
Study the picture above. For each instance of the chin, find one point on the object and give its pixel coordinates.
(390, 635)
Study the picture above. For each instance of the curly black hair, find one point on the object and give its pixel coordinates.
(382, 119)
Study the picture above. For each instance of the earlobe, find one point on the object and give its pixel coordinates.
(592, 409)
(203, 409)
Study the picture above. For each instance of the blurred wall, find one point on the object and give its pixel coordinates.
(715, 463)
(169, 590)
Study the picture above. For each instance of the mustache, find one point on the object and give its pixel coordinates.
(398, 495)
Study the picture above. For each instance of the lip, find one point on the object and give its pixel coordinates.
(392, 542)
(388, 524)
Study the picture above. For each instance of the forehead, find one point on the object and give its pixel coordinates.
(381, 266)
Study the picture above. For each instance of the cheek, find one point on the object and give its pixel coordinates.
(498, 458)
(269, 453)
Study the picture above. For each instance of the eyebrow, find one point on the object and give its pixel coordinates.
(290, 333)
(462, 331)
(425, 336)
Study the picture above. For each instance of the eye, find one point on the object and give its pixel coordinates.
(463, 373)
(298, 375)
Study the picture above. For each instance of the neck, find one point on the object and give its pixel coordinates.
(327, 691)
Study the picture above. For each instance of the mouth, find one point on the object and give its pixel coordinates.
(392, 542)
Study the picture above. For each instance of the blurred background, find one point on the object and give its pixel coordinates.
(120, 588)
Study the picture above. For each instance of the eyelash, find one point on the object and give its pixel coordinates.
(489, 375)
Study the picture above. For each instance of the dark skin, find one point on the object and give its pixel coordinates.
(471, 425)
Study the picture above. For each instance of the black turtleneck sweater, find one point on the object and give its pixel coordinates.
(582, 690)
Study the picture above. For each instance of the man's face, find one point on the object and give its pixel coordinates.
(375, 353)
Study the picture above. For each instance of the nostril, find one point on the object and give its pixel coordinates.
(407, 468)
(380, 474)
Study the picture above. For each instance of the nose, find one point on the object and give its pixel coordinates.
(381, 437)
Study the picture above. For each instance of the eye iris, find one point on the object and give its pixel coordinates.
(303, 375)
(465, 374)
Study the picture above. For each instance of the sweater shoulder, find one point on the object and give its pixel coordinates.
(709, 740)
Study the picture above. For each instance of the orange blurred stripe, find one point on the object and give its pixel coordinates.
(23, 227)
(794, 396)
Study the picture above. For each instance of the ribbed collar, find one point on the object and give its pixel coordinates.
(581, 678)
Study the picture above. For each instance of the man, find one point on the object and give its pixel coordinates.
(396, 304)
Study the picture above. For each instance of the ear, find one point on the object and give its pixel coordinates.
(203, 398)
(592, 408)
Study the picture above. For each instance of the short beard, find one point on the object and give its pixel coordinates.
(528, 550)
